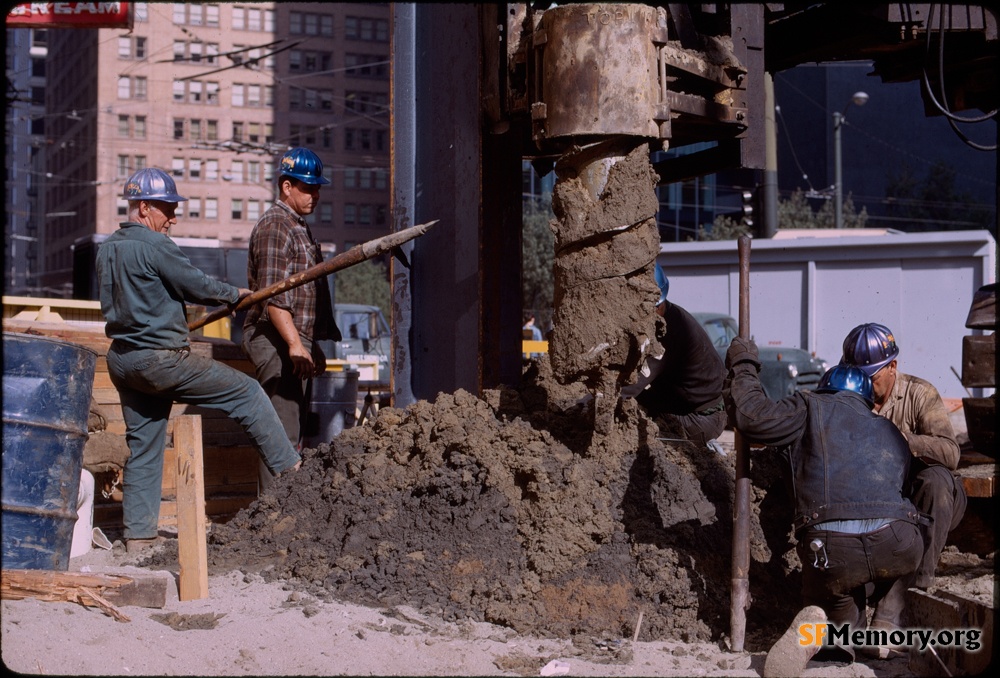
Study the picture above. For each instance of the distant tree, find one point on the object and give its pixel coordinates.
(723, 228)
(364, 283)
(537, 254)
(934, 203)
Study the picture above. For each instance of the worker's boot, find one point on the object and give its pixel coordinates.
(788, 657)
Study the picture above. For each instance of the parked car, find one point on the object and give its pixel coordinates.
(784, 370)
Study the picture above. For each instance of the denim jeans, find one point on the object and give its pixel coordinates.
(149, 382)
(884, 559)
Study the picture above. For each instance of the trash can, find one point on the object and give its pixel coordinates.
(47, 385)
(333, 406)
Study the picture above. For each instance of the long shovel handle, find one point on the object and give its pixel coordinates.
(355, 255)
(740, 600)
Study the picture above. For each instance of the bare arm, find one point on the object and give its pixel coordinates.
(302, 361)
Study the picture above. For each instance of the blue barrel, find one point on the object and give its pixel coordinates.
(334, 402)
(47, 385)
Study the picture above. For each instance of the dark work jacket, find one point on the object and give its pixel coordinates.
(691, 374)
(843, 461)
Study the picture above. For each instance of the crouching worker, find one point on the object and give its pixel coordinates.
(857, 535)
(145, 280)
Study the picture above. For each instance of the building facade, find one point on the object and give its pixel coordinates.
(24, 139)
(214, 93)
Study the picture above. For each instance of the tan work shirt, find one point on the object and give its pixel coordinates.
(916, 408)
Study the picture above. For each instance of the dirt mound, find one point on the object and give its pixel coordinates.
(505, 509)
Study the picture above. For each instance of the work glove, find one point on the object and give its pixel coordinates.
(742, 351)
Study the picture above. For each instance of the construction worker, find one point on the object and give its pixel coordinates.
(916, 408)
(684, 383)
(145, 281)
(854, 531)
(280, 334)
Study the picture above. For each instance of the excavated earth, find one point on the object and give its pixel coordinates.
(497, 510)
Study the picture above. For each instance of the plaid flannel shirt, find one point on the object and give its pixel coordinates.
(281, 245)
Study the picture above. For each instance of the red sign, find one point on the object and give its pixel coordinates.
(71, 15)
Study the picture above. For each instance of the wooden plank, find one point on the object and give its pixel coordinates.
(145, 590)
(192, 547)
(978, 487)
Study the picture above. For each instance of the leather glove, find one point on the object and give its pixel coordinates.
(742, 351)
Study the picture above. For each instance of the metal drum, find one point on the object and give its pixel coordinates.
(47, 386)
(333, 405)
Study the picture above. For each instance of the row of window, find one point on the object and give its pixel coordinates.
(355, 214)
(250, 171)
(371, 30)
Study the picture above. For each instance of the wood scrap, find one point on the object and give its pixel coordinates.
(70, 587)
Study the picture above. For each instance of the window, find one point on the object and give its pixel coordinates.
(195, 51)
(123, 167)
(269, 20)
(140, 127)
(365, 215)
(253, 95)
(236, 171)
(326, 100)
(239, 18)
(178, 90)
(238, 94)
(140, 47)
(140, 87)
(124, 88)
(122, 207)
(253, 172)
(180, 50)
(268, 95)
(328, 173)
(237, 131)
(38, 68)
(350, 213)
(311, 24)
(123, 125)
(213, 130)
(237, 210)
(195, 92)
(140, 162)
(373, 66)
(178, 128)
(311, 99)
(212, 53)
(327, 137)
(253, 209)
(211, 208)
(350, 178)
(211, 15)
(253, 19)
(194, 208)
(212, 93)
(268, 133)
(326, 212)
(295, 23)
(294, 60)
(194, 171)
(381, 179)
(177, 167)
(124, 47)
(195, 129)
(380, 215)
(195, 14)
(253, 132)
(326, 25)
(180, 15)
(211, 170)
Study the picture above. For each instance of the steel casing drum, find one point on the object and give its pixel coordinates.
(47, 386)
(333, 404)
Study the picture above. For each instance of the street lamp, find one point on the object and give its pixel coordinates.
(858, 99)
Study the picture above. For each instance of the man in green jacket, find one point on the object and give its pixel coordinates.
(145, 280)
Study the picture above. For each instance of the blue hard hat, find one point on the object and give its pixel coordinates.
(847, 378)
(871, 347)
(151, 183)
(662, 282)
(302, 164)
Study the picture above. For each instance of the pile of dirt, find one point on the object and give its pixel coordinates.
(506, 509)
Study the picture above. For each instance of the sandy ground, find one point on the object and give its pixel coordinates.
(251, 627)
